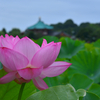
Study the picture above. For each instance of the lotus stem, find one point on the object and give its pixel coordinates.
(21, 91)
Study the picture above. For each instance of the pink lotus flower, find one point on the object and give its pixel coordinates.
(24, 60)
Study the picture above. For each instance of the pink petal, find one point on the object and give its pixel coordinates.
(26, 47)
(6, 43)
(55, 69)
(7, 37)
(38, 47)
(14, 40)
(29, 73)
(21, 80)
(0, 42)
(46, 55)
(12, 59)
(7, 69)
(11, 37)
(58, 48)
(39, 83)
(8, 78)
(44, 43)
(9, 41)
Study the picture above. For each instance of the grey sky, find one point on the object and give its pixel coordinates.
(24, 13)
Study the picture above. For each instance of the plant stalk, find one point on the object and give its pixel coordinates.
(21, 91)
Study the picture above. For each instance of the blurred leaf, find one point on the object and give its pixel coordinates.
(90, 96)
(61, 92)
(89, 46)
(80, 81)
(70, 72)
(61, 59)
(81, 92)
(88, 63)
(95, 88)
(10, 90)
(58, 80)
(70, 47)
(97, 43)
(51, 81)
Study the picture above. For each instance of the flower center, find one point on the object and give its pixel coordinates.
(30, 66)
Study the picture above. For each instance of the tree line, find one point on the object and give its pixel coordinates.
(85, 31)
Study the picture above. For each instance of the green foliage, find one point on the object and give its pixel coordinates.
(10, 90)
(68, 26)
(2, 33)
(69, 23)
(83, 25)
(84, 73)
(85, 31)
(95, 88)
(89, 46)
(62, 92)
(88, 63)
(70, 47)
(84, 34)
(30, 34)
(15, 32)
(90, 96)
(51, 81)
(88, 32)
(80, 81)
(97, 43)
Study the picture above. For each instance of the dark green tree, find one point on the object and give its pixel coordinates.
(15, 32)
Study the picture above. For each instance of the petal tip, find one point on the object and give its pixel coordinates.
(59, 43)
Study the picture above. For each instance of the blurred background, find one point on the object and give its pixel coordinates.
(75, 23)
(77, 19)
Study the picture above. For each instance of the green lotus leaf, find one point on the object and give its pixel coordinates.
(80, 81)
(70, 47)
(95, 88)
(10, 90)
(90, 96)
(81, 93)
(58, 80)
(89, 46)
(97, 43)
(61, 92)
(88, 63)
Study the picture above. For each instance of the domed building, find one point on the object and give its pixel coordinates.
(40, 28)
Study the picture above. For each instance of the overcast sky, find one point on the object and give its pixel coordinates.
(24, 13)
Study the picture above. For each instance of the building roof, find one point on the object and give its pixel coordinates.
(40, 25)
(58, 33)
